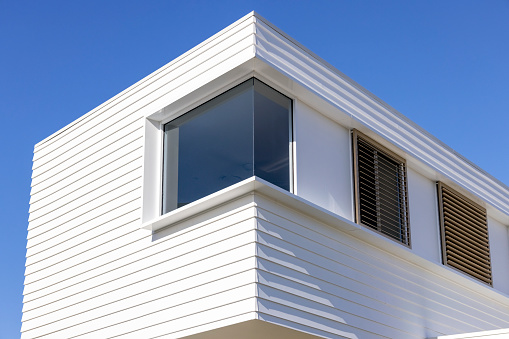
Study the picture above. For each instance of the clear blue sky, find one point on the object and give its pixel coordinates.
(444, 64)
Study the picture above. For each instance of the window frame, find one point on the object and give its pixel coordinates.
(206, 99)
(403, 192)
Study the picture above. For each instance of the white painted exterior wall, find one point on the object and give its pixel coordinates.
(252, 251)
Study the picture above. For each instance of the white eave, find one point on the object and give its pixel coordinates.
(254, 47)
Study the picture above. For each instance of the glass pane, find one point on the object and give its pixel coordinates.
(272, 127)
(243, 132)
(214, 148)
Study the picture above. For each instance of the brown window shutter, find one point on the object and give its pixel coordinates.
(380, 189)
(464, 231)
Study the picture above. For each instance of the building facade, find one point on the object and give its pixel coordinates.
(249, 189)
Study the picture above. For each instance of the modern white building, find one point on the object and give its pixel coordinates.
(248, 189)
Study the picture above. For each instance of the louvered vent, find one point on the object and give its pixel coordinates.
(380, 188)
(465, 243)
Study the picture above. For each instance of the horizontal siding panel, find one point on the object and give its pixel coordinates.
(337, 258)
(211, 269)
(388, 293)
(138, 261)
(385, 280)
(229, 262)
(91, 248)
(336, 308)
(133, 143)
(313, 323)
(97, 151)
(115, 207)
(80, 240)
(390, 267)
(87, 143)
(132, 320)
(117, 166)
(176, 325)
(99, 189)
(63, 270)
(328, 314)
(133, 273)
(336, 285)
(182, 232)
(87, 172)
(151, 301)
(134, 92)
(132, 182)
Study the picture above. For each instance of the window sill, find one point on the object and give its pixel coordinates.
(251, 185)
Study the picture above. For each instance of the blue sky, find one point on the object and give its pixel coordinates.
(443, 64)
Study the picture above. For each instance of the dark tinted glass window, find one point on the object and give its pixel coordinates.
(272, 127)
(243, 132)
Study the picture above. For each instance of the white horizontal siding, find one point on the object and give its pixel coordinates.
(79, 239)
(212, 312)
(137, 278)
(330, 306)
(315, 269)
(134, 253)
(88, 200)
(71, 181)
(89, 182)
(49, 222)
(135, 306)
(83, 160)
(83, 146)
(122, 296)
(110, 210)
(308, 322)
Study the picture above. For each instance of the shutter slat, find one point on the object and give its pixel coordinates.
(464, 234)
(468, 249)
(457, 224)
(454, 206)
(456, 196)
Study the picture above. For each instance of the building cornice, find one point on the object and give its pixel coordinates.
(303, 67)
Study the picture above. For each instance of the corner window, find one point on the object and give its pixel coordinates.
(241, 133)
(380, 189)
(464, 231)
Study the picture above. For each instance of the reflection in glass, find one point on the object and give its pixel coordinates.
(243, 132)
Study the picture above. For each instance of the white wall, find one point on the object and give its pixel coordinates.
(323, 158)
(423, 209)
(499, 250)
